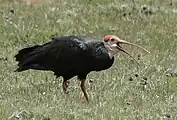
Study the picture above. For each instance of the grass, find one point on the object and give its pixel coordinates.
(115, 94)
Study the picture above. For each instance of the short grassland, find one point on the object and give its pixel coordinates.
(124, 92)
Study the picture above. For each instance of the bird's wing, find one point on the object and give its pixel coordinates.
(60, 54)
(61, 50)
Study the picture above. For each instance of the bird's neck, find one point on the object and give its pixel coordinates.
(111, 51)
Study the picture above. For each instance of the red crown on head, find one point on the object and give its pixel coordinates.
(107, 38)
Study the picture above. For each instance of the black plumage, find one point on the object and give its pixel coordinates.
(66, 56)
(70, 56)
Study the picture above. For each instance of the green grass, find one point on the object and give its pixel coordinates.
(112, 95)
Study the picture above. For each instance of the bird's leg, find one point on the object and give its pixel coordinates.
(65, 86)
(83, 88)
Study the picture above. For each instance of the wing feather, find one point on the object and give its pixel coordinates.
(61, 50)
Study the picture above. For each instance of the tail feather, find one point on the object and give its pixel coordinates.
(24, 52)
(32, 66)
(25, 58)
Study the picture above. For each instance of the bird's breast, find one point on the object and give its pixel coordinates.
(103, 64)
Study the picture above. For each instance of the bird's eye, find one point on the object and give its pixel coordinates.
(112, 39)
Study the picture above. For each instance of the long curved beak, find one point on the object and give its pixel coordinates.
(126, 42)
(121, 49)
(129, 43)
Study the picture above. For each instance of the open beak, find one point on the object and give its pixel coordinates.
(128, 43)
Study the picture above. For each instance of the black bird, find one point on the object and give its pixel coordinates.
(70, 56)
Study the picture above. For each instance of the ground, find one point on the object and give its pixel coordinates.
(123, 92)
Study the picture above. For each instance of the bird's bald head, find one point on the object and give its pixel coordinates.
(113, 42)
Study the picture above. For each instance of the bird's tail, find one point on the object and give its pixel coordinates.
(24, 57)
